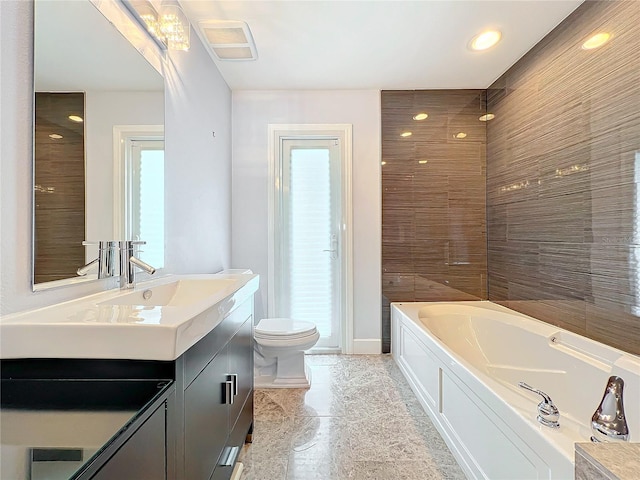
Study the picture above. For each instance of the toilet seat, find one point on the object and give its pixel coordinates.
(302, 343)
(284, 338)
(284, 328)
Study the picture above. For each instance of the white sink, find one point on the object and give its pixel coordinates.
(180, 293)
(158, 320)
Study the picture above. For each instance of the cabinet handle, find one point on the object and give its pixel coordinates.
(233, 377)
(228, 392)
(229, 456)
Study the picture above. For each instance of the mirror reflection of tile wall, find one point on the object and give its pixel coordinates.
(563, 169)
(59, 221)
(433, 198)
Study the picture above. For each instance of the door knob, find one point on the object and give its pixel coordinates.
(333, 252)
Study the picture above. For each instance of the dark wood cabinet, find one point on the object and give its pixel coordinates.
(144, 454)
(206, 423)
(218, 402)
(241, 364)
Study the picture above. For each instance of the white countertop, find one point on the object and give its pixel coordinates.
(121, 324)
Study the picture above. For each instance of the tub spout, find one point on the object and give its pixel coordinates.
(609, 423)
(548, 414)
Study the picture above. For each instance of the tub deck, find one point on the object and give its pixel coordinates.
(464, 361)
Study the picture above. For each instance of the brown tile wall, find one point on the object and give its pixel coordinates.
(433, 214)
(563, 166)
(59, 226)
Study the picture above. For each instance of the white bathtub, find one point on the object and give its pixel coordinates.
(464, 361)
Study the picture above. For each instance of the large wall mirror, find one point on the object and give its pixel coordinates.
(98, 142)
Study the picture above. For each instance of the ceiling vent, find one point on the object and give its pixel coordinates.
(228, 39)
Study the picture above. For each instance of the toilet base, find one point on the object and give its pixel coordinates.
(272, 381)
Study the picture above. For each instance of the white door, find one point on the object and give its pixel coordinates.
(308, 235)
(144, 214)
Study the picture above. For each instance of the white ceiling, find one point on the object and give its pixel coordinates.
(388, 44)
(78, 49)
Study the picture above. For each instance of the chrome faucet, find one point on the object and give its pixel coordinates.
(548, 414)
(609, 423)
(128, 263)
(105, 260)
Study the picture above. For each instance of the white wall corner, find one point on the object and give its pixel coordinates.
(367, 346)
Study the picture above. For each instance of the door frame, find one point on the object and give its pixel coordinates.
(276, 133)
(122, 134)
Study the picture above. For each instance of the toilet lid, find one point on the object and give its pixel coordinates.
(284, 327)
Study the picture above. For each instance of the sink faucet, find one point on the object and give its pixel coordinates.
(105, 260)
(128, 263)
(548, 413)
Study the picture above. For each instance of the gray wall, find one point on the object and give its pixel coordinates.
(563, 166)
(198, 185)
(253, 111)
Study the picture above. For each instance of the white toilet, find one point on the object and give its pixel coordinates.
(279, 352)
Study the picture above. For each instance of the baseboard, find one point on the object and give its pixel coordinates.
(367, 346)
(237, 471)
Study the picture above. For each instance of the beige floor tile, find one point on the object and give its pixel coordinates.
(322, 359)
(359, 420)
(401, 470)
(257, 467)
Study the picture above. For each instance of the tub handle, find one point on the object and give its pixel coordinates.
(548, 414)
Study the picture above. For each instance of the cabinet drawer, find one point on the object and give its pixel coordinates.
(241, 364)
(198, 356)
(206, 420)
(143, 456)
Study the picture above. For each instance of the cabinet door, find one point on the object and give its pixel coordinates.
(206, 424)
(241, 364)
(143, 456)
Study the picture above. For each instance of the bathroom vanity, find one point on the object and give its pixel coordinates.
(58, 429)
(185, 417)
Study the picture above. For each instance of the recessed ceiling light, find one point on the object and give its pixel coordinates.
(460, 135)
(421, 116)
(55, 136)
(75, 118)
(485, 40)
(596, 41)
(486, 117)
(406, 134)
(422, 162)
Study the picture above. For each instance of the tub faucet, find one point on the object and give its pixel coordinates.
(609, 423)
(128, 263)
(548, 413)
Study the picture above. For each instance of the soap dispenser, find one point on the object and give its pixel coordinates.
(609, 423)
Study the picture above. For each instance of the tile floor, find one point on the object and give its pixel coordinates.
(359, 420)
